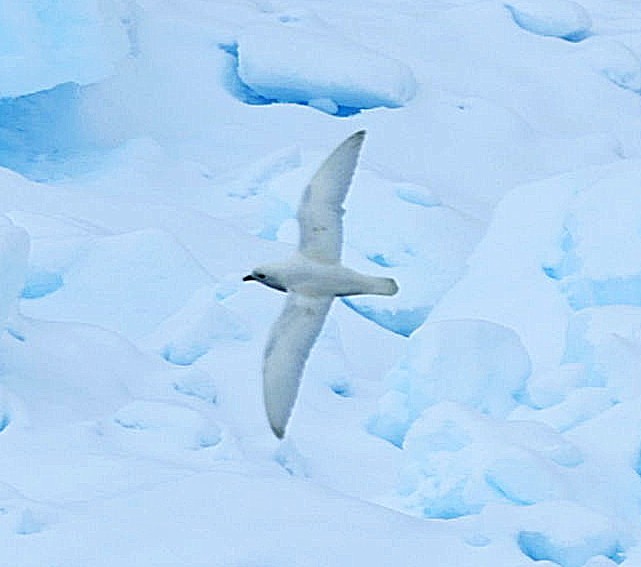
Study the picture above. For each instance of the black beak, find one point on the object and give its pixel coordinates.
(249, 278)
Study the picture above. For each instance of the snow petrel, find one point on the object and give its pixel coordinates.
(311, 279)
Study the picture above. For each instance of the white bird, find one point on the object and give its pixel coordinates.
(311, 278)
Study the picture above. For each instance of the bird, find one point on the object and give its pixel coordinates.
(312, 278)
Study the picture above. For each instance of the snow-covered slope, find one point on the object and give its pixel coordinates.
(153, 152)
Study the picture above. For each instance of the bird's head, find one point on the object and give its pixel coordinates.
(267, 276)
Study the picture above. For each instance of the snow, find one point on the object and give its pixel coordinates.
(558, 18)
(152, 153)
(45, 45)
(473, 362)
(296, 63)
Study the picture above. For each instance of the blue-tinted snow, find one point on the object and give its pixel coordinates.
(45, 134)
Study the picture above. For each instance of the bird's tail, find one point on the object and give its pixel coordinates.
(382, 286)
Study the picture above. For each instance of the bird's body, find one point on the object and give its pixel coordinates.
(311, 279)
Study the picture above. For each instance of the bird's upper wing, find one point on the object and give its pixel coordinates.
(320, 212)
(290, 340)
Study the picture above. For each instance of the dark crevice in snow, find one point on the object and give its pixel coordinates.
(342, 389)
(203, 392)
(5, 420)
(16, 334)
(577, 37)
(380, 260)
(234, 84)
(40, 284)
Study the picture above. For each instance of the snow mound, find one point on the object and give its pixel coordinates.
(160, 428)
(455, 467)
(60, 372)
(558, 18)
(189, 333)
(607, 342)
(568, 535)
(599, 262)
(478, 364)
(316, 68)
(147, 274)
(615, 61)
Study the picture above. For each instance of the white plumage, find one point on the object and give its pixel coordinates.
(312, 278)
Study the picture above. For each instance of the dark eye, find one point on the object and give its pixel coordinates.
(261, 276)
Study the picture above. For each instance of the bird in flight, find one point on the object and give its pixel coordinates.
(312, 278)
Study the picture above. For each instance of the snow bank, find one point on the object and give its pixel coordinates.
(189, 333)
(61, 372)
(615, 61)
(455, 467)
(147, 274)
(478, 364)
(558, 18)
(607, 342)
(599, 261)
(320, 69)
(160, 429)
(569, 535)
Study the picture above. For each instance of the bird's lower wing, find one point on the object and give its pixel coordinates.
(290, 341)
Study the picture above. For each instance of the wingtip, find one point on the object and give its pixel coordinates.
(278, 431)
